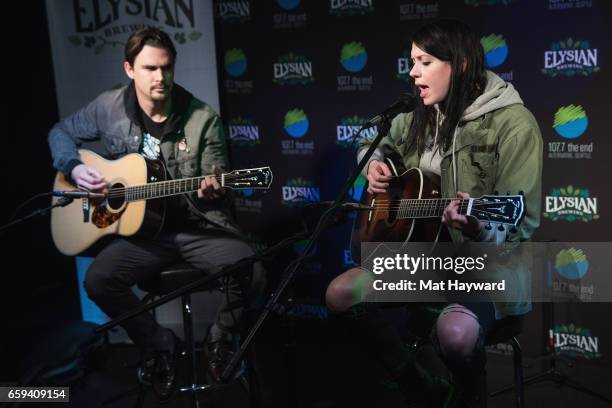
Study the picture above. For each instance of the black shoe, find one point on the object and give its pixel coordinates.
(159, 372)
(218, 354)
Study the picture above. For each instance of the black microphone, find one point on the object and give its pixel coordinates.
(77, 194)
(405, 103)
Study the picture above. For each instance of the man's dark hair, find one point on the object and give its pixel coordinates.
(148, 36)
(456, 43)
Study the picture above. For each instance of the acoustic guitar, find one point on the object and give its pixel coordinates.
(411, 209)
(128, 205)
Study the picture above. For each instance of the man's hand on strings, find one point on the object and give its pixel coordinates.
(88, 178)
(210, 188)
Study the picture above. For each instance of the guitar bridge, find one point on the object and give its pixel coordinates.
(371, 212)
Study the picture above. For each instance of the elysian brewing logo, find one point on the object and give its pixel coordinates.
(570, 58)
(300, 192)
(571, 204)
(289, 18)
(353, 58)
(242, 132)
(574, 341)
(404, 65)
(292, 69)
(235, 66)
(418, 10)
(95, 26)
(570, 122)
(233, 11)
(569, 4)
(347, 130)
(347, 260)
(350, 7)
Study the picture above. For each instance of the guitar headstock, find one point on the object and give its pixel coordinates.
(508, 210)
(257, 178)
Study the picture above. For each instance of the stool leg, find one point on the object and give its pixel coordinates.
(518, 372)
(189, 341)
(484, 394)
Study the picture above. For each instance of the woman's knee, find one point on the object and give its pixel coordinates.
(338, 297)
(457, 335)
(340, 294)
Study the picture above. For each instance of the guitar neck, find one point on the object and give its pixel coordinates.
(167, 188)
(426, 208)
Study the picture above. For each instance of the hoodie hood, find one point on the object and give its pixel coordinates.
(497, 94)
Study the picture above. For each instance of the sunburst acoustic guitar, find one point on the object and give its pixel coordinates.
(411, 209)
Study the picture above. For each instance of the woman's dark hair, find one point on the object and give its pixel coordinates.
(454, 42)
(147, 36)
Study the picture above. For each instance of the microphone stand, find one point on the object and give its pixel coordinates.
(552, 373)
(384, 127)
(64, 201)
(190, 287)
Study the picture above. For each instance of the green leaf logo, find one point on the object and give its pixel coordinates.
(568, 113)
(294, 116)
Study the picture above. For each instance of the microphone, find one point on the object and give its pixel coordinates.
(405, 103)
(77, 194)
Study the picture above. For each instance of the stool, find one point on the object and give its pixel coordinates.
(504, 331)
(169, 280)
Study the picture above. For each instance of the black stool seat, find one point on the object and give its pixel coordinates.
(174, 277)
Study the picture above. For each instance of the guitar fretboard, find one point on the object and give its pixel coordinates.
(421, 208)
(163, 188)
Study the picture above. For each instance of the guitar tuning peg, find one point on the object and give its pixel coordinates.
(508, 192)
(488, 226)
(521, 193)
(500, 228)
(496, 192)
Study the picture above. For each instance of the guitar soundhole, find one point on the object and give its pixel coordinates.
(116, 196)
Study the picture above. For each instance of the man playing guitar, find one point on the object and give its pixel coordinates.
(161, 121)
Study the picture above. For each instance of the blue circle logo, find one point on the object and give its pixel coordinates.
(571, 263)
(288, 4)
(247, 192)
(357, 190)
(296, 123)
(495, 50)
(353, 57)
(570, 121)
(235, 62)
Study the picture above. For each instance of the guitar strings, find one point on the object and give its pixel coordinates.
(149, 188)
